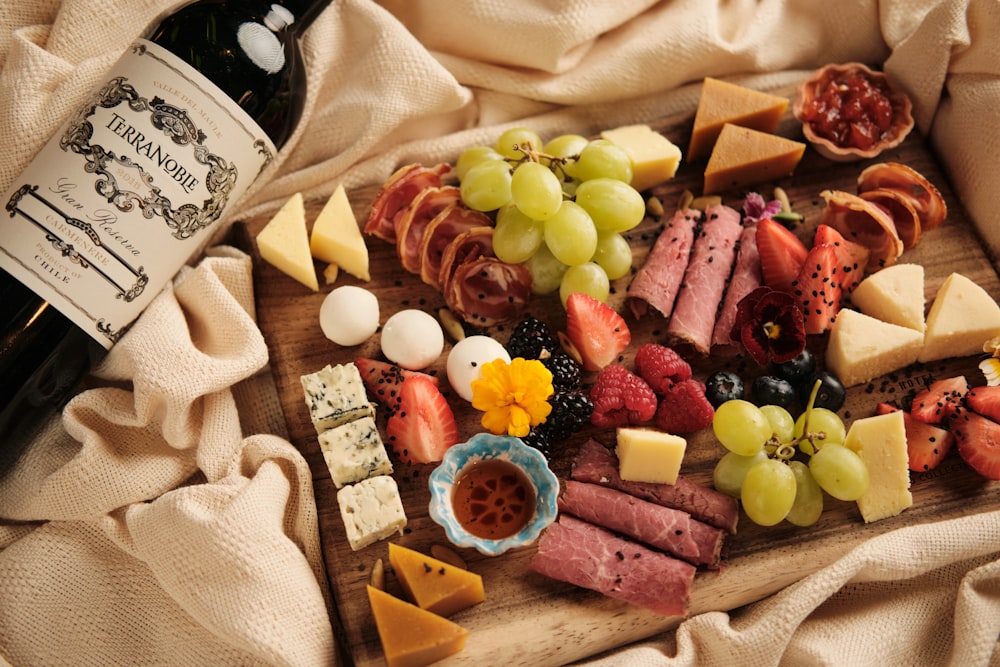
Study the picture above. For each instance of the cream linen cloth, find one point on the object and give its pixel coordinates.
(165, 519)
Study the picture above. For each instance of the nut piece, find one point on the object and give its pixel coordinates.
(451, 325)
(378, 575)
(448, 555)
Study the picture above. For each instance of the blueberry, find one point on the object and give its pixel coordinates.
(831, 392)
(798, 370)
(773, 390)
(723, 386)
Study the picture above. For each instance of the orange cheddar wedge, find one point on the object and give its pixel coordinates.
(411, 636)
(433, 584)
(743, 157)
(722, 102)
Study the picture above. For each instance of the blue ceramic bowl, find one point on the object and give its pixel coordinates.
(481, 447)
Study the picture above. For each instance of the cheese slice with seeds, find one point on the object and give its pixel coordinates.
(862, 348)
(284, 243)
(433, 584)
(744, 157)
(962, 318)
(894, 294)
(722, 102)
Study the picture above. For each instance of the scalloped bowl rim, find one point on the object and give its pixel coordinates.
(484, 446)
(832, 151)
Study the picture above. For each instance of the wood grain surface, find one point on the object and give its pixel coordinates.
(530, 620)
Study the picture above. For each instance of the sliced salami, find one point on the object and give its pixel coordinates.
(659, 279)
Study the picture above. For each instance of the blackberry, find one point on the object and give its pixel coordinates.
(530, 337)
(570, 412)
(537, 439)
(565, 371)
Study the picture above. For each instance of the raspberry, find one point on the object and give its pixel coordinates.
(621, 398)
(661, 367)
(684, 408)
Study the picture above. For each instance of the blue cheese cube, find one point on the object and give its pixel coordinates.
(371, 510)
(336, 395)
(354, 451)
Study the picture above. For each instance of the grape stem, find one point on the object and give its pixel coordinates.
(556, 164)
(784, 451)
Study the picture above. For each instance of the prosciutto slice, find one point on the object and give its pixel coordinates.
(413, 219)
(598, 465)
(441, 231)
(485, 290)
(468, 245)
(659, 279)
(745, 279)
(663, 528)
(404, 184)
(705, 278)
(591, 557)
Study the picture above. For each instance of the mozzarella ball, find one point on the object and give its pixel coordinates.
(413, 339)
(466, 360)
(349, 315)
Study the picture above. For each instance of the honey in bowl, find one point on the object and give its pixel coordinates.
(493, 499)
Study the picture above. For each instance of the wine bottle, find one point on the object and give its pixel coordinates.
(130, 188)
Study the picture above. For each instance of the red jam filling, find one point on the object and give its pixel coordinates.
(493, 499)
(850, 110)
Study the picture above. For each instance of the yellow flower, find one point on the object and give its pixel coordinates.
(513, 396)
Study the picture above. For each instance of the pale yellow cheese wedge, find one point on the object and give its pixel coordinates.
(411, 636)
(743, 157)
(880, 441)
(722, 102)
(433, 584)
(648, 455)
(962, 317)
(284, 243)
(336, 237)
(894, 294)
(654, 157)
(861, 347)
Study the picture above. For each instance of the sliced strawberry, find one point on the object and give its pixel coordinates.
(851, 257)
(781, 254)
(596, 330)
(818, 288)
(424, 426)
(985, 400)
(926, 444)
(940, 401)
(383, 379)
(978, 443)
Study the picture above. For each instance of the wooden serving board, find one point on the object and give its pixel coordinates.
(528, 619)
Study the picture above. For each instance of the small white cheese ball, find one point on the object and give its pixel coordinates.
(466, 360)
(413, 339)
(349, 315)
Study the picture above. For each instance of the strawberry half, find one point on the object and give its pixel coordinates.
(984, 400)
(781, 254)
(597, 332)
(383, 379)
(424, 426)
(978, 442)
(940, 401)
(851, 257)
(926, 444)
(818, 288)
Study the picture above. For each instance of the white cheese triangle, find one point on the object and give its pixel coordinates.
(284, 243)
(336, 237)
(962, 318)
(894, 294)
(862, 347)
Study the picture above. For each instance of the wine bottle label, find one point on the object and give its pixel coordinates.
(128, 191)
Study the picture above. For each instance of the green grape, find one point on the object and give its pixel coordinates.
(615, 206)
(565, 145)
(782, 423)
(486, 186)
(839, 471)
(536, 190)
(570, 234)
(569, 188)
(808, 505)
(516, 237)
(602, 159)
(768, 492)
(821, 420)
(588, 278)
(741, 427)
(546, 271)
(470, 157)
(614, 254)
(508, 143)
(731, 469)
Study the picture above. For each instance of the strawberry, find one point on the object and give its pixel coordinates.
(660, 366)
(684, 408)
(984, 400)
(851, 257)
(978, 442)
(424, 426)
(621, 398)
(940, 401)
(818, 289)
(597, 332)
(926, 444)
(382, 380)
(781, 254)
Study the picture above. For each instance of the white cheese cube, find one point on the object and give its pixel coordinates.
(354, 451)
(371, 510)
(648, 455)
(336, 395)
(880, 441)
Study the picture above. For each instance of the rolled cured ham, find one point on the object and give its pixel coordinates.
(745, 279)
(658, 280)
(485, 290)
(441, 231)
(404, 184)
(591, 557)
(413, 220)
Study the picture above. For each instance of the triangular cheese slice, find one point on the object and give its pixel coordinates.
(962, 318)
(284, 243)
(722, 102)
(412, 636)
(862, 348)
(654, 157)
(336, 237)
(894, 294)
(743, 157)
(433, 584)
